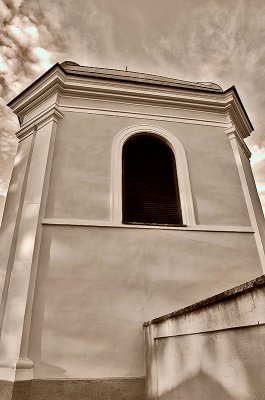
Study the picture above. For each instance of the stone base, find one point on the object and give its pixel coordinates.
(6, 390)
(74, 389)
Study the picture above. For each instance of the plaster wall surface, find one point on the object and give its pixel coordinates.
(81, 321)
(222, 365)
(12, 205)
(2, 206)
(81, 174)
(97, 285)
(213, 349)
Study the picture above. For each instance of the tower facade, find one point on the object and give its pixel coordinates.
(131, 196)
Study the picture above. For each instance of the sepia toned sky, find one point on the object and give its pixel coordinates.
(197, 40)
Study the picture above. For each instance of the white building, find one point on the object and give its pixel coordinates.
(132, 196)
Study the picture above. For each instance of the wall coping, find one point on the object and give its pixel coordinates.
(220, 297)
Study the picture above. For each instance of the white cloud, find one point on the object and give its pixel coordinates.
(4, 11)
(258, 155)
(43, 57)
(3, 65)
(24, 55)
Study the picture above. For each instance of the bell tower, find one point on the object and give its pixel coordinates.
(131, 196)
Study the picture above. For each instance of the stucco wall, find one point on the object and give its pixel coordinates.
(96, 286)
(12, 205)
(80, 182)
(211, 350)
(2, 206)
(222, 365)
(79, 325)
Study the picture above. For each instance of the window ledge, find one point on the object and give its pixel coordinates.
(110, 224)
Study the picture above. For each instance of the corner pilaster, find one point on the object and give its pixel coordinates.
(249, 189)
(21, 267)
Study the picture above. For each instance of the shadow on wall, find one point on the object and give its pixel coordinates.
(199, 387)
(79, 327)
(38, 322)
(2, 206)
(220, 365)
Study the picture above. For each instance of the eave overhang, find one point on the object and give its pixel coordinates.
(97, 83)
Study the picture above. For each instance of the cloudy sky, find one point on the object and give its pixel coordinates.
(197, 40)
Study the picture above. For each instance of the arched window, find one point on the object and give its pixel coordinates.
(150, 185)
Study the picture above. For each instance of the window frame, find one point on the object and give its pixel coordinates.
(176, 146)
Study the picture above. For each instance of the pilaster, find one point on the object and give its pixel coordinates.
(249, 190)
(21, 267)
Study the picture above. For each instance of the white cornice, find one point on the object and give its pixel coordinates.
(50, 114)
(65, 84)
(232, 133)
(38, 91)
(237, 114)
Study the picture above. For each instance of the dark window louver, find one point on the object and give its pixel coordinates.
(150, 185)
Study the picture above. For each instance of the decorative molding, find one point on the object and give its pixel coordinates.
(52, 113)
(38, 91)
(143, 115)
(185, 193)
(234, 141)
(237, 113)
(219, 103)
(25, 132)
(233, 133)
(62, 82)
(110, 224)
(24, 363)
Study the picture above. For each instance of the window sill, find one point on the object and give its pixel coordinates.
(146, 224)
(111, 224)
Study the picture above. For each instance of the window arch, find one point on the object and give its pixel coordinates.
(149, 182)
(185, 194)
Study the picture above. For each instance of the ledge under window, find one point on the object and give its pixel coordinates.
(111, 224)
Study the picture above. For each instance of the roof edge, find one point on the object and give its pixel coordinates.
(56, 65)
(59, 74)
(137, 77)
(68, 67)
(234, 89)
